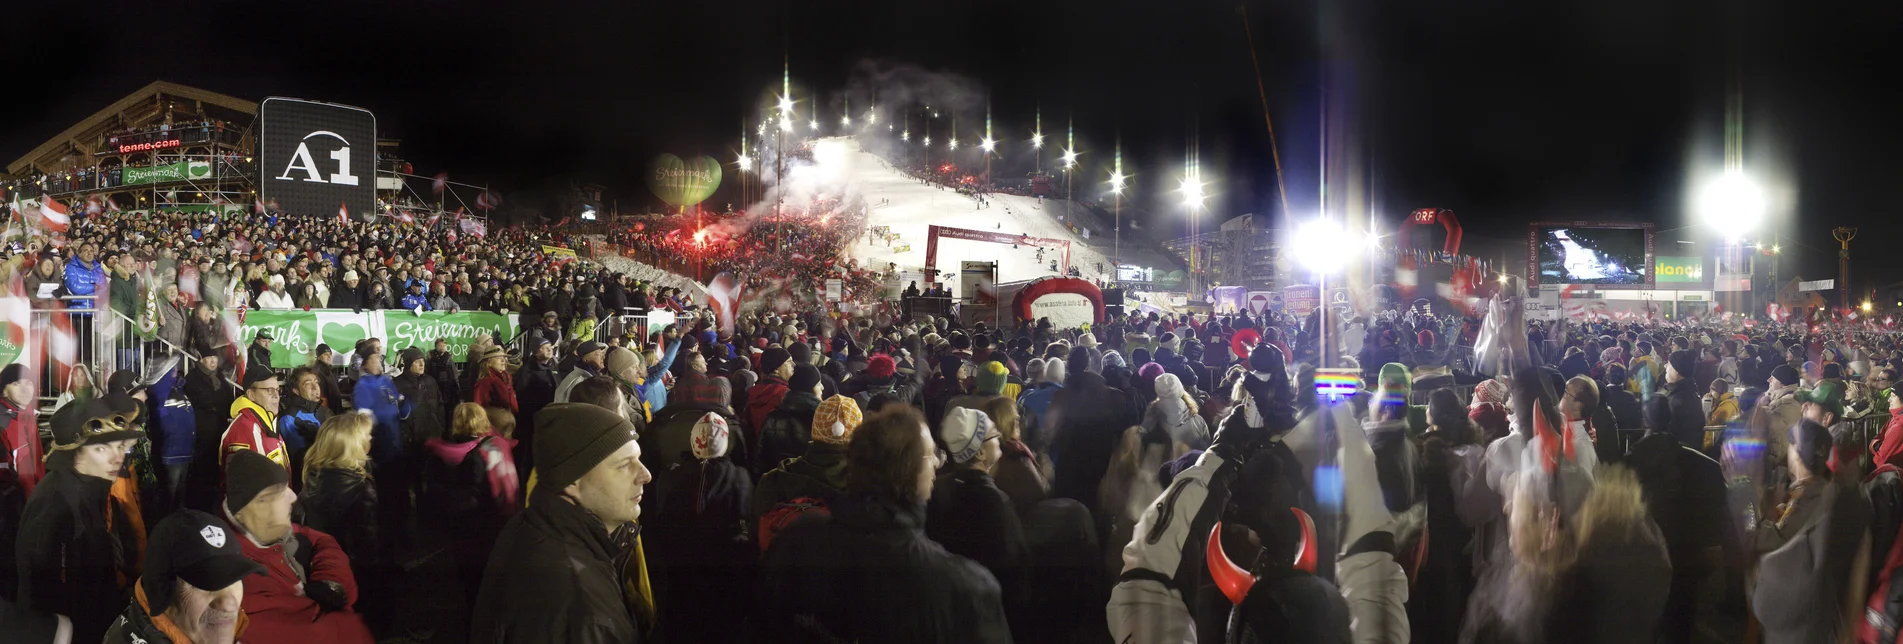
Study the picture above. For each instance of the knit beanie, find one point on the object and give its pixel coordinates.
(1168, 341)
(248, 474)
(1784, 373)
(1149, 372)
(11, 373)
(1683, 363)
(571, 438)
(965, 432)
(1394, 384)
(805, 376)
(1054, 371)
(709, 438)
(1034, 371)
(1113, 359)
(1488, 391)
(620, 359)
(991, 379)
(771, 360)
(835, 419)
(801, 353)
(881, 366)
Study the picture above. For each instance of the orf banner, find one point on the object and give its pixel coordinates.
(296, 333)
(313, 156)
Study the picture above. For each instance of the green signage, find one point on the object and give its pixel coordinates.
(683, 183)
(181, 171)
(1679, 270)
(296, 333)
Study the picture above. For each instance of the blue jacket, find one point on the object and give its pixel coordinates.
(83, 280)
(379, 395)
(656, 393)
(1035, 402)
(413, 301)
(177, 426)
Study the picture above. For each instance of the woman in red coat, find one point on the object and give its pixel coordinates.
(495, 389)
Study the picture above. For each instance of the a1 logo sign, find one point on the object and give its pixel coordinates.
(302, 162)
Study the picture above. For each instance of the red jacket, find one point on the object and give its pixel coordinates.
(20, 446)
(254, 429)
(496, 390)
(762, 399)
(275, 602)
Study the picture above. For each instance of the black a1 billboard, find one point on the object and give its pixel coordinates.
(316, 158)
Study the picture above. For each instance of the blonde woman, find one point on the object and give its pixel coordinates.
(469, 489)
(1016, 471)
(338, 496)
(1174, 412)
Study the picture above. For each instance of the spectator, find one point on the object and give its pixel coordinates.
(307, 590)
(1016, 472)
(301, 413)
(276, 297)
(703, 546)
(1086, 420)
(340, 500)
(788, 429)
(254, 420)
(192, 589)
(470, 488)
(590, 359)
(73, 527)
(818, 475)
(258, 355)
(967, 514)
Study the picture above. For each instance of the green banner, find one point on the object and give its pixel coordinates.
(181, 171)
(1679, 270)
(295, 334)
(9, 351)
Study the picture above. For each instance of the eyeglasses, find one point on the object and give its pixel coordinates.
(268, 390)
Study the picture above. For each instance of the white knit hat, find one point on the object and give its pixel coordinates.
(965, 432)
(709, 439)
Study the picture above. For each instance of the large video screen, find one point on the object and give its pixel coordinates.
(314, 158)
(1604, 256)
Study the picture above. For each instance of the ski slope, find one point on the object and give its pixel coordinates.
(909, 206)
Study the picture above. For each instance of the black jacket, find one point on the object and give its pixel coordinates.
(343, 296)
(787, 430)
(343, 504)
(554, 576)
(1685, 494)
(1686, 411)
(442, 366)
(1086, 420)
(69, 559)
(668, 439)
(868, 573)
(426, 411)
(972, 518)
(257, 357)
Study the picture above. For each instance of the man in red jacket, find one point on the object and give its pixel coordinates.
(776, 365)
(306, 591)
(254, 420)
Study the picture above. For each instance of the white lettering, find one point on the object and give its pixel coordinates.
(308, 165)
(343, 176)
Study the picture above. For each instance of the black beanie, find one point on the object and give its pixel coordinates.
(801, 353)
(1266, 357)
(1786, 374)
(248, 473)
(1812, 443)
(11, 373)
(571, 438)
(1683, 363)
(771, 359)
(805, 376)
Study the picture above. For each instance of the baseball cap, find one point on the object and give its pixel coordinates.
(196, 547)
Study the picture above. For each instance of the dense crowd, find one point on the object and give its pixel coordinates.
(807, 476)
(790, 253)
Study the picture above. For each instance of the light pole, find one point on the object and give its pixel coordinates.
(1323, 247)
(1733, 204)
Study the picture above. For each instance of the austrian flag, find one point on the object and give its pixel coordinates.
(55, 215)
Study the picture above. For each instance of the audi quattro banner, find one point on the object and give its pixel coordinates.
(315, 157)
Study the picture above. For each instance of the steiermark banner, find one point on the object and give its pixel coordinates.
(181, 171)
(296, 333)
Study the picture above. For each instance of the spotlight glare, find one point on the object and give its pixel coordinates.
(1070, 158)
(1192, 189)
(744, 162)
(786, 103)
(1733, 203)
(1323, 246)
(988, 144)
(1116, 183)
(1037, 140)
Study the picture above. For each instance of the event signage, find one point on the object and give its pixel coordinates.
(296, 333)
(181, 171)
(1301, 299)
(148, 146)
(683, 183)
(1679, 270)
(314, 157)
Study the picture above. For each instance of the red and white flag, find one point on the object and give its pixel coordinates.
(724, 292)
(55, 215)
(405, 217)
(343, 212)
(62, 346)
(234, 325)
(111, 206)
(258, 205)
(22, 438)
(94, 205)
(474, 227)
(437, 184)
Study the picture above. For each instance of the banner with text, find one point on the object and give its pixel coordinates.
(296, 333)
(181, 171)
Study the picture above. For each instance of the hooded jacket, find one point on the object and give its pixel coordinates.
(868, 573)
(379, 395)
(554, 576)
(425, 418)
(971, 518)
(762, 398)
(1171, 414)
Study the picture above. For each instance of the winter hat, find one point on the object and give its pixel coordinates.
(11, 373)
(1828, 394)
(1168, 386)
(805, 376)
(1148, 373)
(248, 474)
(1784, 373)
(1393, 385)
(881, 366)
(1168, 341)
(407, 356)
(196, 547)
(1488, 391)
(835, 419)
(1683, 363)
(1112, 359)
(772, 359)
(621, 359)
(1491, 417)
(1054, 371)
(98, 421)
(1139, 356)
(709, 439)
(965, 432)
(571, 438)
(1034, 371)
(991, 379)
(1087, 340)
(1267, 358)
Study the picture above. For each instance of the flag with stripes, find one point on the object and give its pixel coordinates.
(22, 439)
(55, 215)
(343, 213)
(437, 184)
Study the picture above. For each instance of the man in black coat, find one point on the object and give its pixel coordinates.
(1685, 494)
(348, 294)
(1682, 412)
(211, 397)
(1086, 418)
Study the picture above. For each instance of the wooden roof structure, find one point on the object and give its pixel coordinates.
(147, 105)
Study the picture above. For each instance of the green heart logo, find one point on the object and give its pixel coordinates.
(198, 169)
(683, 183)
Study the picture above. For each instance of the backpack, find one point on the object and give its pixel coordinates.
(786, 513)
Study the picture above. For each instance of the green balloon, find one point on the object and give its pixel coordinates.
(683, 183)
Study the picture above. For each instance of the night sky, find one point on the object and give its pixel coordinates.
(1506, 112)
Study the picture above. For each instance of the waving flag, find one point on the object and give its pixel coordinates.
(405, 217)
(724, 292)
(23, 438)
(111, 206)
(234, 324)
(474, 227)
(62, 346)
(55, 215)
(94, 205)
(343, 212)
(258, 205)
(437, 184)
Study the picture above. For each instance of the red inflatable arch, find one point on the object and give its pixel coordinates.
(1055, 285)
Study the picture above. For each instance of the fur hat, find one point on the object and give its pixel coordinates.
(835, 420)
(709, 438)
(881, 366)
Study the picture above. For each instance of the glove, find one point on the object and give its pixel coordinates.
(329, 595)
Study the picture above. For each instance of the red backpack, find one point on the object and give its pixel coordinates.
(786, 513)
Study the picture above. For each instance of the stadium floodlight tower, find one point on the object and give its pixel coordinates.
(1733, 204)
(1324, 247)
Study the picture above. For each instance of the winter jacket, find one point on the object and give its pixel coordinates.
(414, 301)
(1086, 419)
(868, 573)
(1724, 409)
(83, 280)
(276, 301)
(762, 398)
(425, 418)
(257, 357)
(69, 552)
(137, 625)
(441, 365)
(820, 473)
(971, 518)
(1685, 495)
(1036, 403)
(495, 390)
(574, 377)
(298, 420)
(1018, 477)
(554, 576)
(253, 428)
(1686, 411)
(1808, 588)
(386, 404)
(668, 440)
(1170, 415)
(276, 602)
(343, 296)
(173, 434)
(701, 545)
(787, 430)
(1784, 410)
(534, 389)
(343, 503)
(864, 388)
(469, 485)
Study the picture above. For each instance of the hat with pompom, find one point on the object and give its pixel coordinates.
(835, 419)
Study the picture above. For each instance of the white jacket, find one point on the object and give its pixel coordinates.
(1147, 611)
(275, 300)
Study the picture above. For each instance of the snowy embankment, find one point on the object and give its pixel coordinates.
(650, 274)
